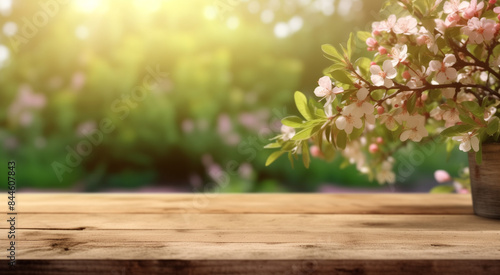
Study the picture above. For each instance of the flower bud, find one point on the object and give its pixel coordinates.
(382, 50)
(424, 97)
(372, 63)
(442, 176)
(421, 40)
(491, 2)
(315, 151)
(371, 42)
(380, 110)
(406, 75)
(373, 148)
(380, 140)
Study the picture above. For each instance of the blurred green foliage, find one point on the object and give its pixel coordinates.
(205, 123)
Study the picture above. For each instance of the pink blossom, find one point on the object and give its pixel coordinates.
(442, 176)
(415, 129)
(348, 122)
(468, 141)
(325, 90)
(455, 6)
(473, 9)
(382, 76)
(384, 26)
(406, 25)
(479, 30)
(399, 53)
(371, 42)
(445, 72)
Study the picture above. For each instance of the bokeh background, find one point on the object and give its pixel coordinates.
(76, 115)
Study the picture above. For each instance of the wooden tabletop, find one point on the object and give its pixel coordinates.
(251, 234)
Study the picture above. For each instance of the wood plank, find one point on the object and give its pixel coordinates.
(263, 222)
(256, 236)
(249, 234)
(246, 203)
(242, 267)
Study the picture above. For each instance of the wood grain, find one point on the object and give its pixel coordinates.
(247, 203)
(252, 234)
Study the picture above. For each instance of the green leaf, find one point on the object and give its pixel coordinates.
(467, 119)
(341, 76)
(457, 130)
(306, 133)
(356, 133)
(493, 126)
(288, 146)
(272, 146)
(474, 108)
(443, 189)
(334, 67)
(410, 104)
(341, 140)
(306, 159)
(363, 36)
(301, 103)
(293, 121)
(351, 44)
(274, 156)
(331, 51)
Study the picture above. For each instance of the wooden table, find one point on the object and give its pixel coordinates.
(251, 234)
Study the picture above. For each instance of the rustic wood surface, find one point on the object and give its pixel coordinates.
(251, 234)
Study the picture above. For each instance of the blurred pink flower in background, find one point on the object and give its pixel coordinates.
(224, 125)
(187, 126)
(254, 121)
(245, 170)
(85, 128)
(21, 110)
(442, 176)
(78, 81)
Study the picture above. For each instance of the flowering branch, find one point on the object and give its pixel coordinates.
(433, 70)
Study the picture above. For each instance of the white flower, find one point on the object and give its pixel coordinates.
(354, 153)
(451, 117)
(360, 107)
(455, 6)
(468, 141)
(479, 30)
(399, 53)
(437, 113)
(406, 25)
(473, 9)
(417, 77)
(427, 38)
(389, 121)
(386, 25)
(324, 90)
(383, 77)
(287, 132)
(489, 113)
(348, 121)
(385, 174)
(445, 73)
(415, 128)
(448, 93)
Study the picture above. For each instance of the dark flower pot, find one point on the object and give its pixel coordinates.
(485, 182)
